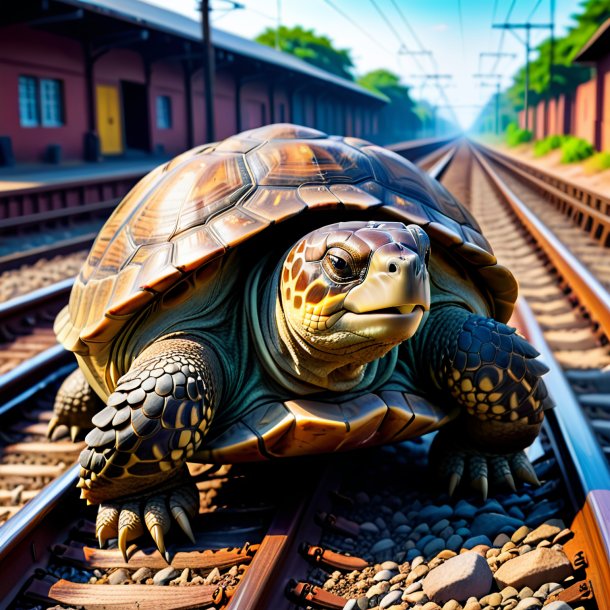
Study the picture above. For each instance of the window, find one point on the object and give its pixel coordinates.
(40, 102)
(164, 112)
(28, 101)
(51, 102)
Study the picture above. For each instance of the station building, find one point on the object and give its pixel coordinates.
(87, 79)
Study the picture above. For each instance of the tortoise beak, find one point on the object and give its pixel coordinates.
(396, 282)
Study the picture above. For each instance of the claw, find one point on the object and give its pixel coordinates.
(123, 542)
(156, 531)
(53, 423)
(106, 523)
(454, 481)
(529, 476)
(130, 526)
(74, 432)
(510, 481)
(482, 485)
(182, 519)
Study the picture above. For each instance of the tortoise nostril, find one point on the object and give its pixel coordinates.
(392, 268)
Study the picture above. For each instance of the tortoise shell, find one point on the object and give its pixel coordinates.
(210, 199)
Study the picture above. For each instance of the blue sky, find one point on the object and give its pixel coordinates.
(456, 31)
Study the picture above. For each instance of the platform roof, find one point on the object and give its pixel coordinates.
(164, 20)
(597, 47)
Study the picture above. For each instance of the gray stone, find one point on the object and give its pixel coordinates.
(490, 524)
(383, 575)
(436, 545)
(162, 577)
(558, 605)
(475, 541)
(415, 586)
(391, 598)
(463, 576)
(119, 577)
(533, 569)
(542, 532)
(389, 565)
(385, 544)
(141, 575)
(350, 605)
(454, 542)
(369, 527)
(529, 603)
(402, 529)
(465, 510)
(398, 518)
(439, 526)
(432, 513)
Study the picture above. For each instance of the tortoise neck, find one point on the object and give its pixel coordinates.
(307, 366)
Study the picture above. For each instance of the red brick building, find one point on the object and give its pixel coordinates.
(126, 76)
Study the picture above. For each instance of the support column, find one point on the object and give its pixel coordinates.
(187, 72)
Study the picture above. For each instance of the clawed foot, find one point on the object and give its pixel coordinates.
(75, 427)
(452, 459)
(129, 519)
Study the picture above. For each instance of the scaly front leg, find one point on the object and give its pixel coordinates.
(135, 461)
(492, 373)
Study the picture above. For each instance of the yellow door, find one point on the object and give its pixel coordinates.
(109, 120)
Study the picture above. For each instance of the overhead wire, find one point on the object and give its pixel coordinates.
(502, 35)
(357, 26)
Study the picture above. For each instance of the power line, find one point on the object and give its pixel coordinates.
(503, 33)
(534, 10)
(408, 25)
(357, 26)
(389, 24)
(459, 3)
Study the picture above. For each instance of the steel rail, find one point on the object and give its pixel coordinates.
(439, 168)
(587, 213)
(26, 519)
(587, 288)
(575, 442)
(32, 370)
(592, 199)
(61, 214)
(24, 304)
(65, 246)
(414, 149)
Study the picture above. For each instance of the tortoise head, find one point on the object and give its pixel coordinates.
(357, 286)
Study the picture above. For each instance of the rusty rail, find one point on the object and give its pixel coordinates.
(589, 210)
(581, 460)
(585, 286)
(414, 150)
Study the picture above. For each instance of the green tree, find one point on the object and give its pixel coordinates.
(400, 117)
(566, 75)
(310, 47)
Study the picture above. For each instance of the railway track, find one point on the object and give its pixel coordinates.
(334, 513)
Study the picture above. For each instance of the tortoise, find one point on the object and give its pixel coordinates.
(283, 293)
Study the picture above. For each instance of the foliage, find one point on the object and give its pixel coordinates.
(597, 163)
(546, 145)
(515, 135)
(310, 47)
(566, 76)
(575, 149)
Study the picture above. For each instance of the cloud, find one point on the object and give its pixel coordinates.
(440, 27)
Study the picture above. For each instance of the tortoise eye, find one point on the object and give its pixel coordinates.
(339, 265)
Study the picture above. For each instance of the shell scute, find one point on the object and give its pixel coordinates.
(193, 248)
(275, 203)
(236, 225)
(352, 196)
(295, 162)
(221, 180)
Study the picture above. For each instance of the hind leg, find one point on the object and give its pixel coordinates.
(75, 404)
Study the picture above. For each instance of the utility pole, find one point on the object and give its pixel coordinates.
(208, 69)
(528, 27)
(498, 78)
